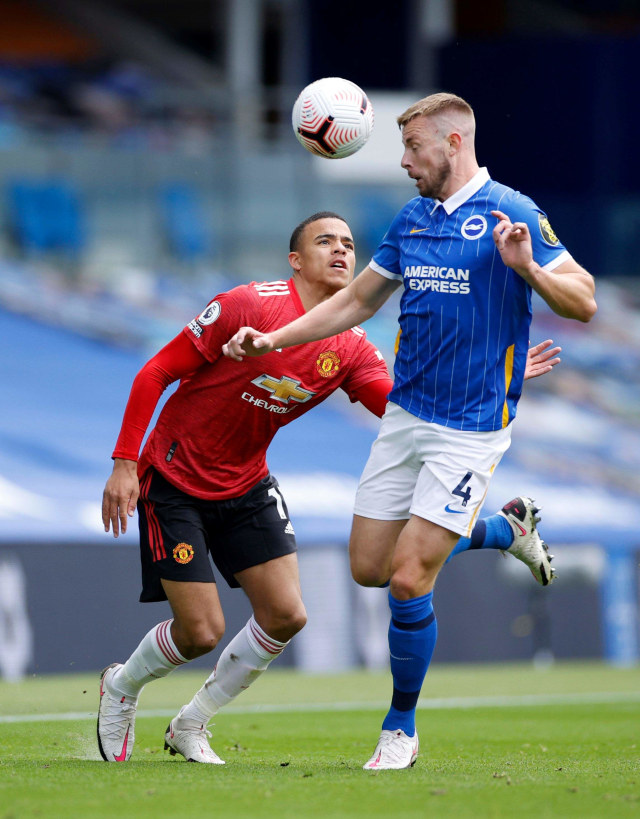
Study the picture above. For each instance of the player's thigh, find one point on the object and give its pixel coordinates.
(273, 589)
(371, 547)
(198, 620)
(392, 469)
(250, 530)
(173, 541)
(457, 467)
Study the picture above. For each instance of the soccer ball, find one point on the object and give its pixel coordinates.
(332, 117)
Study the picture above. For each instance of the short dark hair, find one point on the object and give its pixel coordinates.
(294, 241)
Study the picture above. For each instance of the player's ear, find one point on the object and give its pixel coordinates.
(294, 261)
(455, 141)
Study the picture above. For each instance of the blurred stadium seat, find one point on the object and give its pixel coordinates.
(46, 215)
(184, 222)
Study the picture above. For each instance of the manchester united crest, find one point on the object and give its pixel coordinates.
(328, 364)
(183, 553)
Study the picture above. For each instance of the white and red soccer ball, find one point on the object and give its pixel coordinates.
(332, 117)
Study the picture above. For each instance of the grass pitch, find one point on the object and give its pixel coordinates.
(496, 741)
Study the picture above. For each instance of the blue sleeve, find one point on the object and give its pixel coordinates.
(546, 245)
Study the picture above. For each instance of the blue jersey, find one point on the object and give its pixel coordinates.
(464, 315)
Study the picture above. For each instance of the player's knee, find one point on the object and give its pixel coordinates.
(199, 639)
(285, 623)
(405, 585)
(366, 573)
(294, 620)
(297, 619)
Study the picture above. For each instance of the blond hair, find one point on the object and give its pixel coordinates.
(436, 104)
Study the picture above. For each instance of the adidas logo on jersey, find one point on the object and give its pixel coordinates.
(288, 529)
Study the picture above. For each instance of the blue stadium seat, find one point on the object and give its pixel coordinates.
(46, 215)
(184, 222)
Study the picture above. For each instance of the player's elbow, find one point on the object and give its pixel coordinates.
(581, 308)
(587, 307)
(591, 310)
(586, 310)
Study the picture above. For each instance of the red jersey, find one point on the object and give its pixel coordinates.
(212, 435)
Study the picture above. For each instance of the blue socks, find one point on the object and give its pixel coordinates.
(412, 637)
(494, 532)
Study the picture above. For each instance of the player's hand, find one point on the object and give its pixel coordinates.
(120, 496)
(247, 341)
(541, 359)
(513, 241)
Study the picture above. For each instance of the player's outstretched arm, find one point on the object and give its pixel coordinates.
(346, 308)
(568, 289)
(177, 359)
(120, 496)
(541, 359)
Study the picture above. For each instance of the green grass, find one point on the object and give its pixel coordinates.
(573, 753)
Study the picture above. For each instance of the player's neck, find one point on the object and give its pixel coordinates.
(462, 174)
(312, 294)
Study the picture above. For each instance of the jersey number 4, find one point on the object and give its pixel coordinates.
(461, 492)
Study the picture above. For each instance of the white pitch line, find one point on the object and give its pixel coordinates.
(457, 703)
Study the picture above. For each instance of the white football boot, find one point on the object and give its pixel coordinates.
(394, 751)
(527, 544)
(191, 739)
(116, 720)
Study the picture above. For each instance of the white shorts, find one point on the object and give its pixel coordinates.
(437, 473)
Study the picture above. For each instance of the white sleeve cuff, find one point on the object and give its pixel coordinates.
(563, 257)
(383, 272)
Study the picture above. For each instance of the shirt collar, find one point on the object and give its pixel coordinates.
(295, 296)
(465, 192)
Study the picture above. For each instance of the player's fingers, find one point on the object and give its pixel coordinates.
(498, 231)
(500, 215)
(114, 512)
(114, 520)
(520, 230)
(233, 349)
(540, 347)
(133, 502)
(122, 517)
(243, 340)
(106, 511)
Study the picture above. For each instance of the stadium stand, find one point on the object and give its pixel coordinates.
(47, 215)
(123, 158)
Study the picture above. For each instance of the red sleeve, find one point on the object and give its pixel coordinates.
(221, 318)
(368, 380)
(373, 395)
(177, 359)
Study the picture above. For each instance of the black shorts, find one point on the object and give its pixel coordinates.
(178, 532)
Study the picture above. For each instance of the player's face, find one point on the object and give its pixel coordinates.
(426, 158)
(326, 254)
